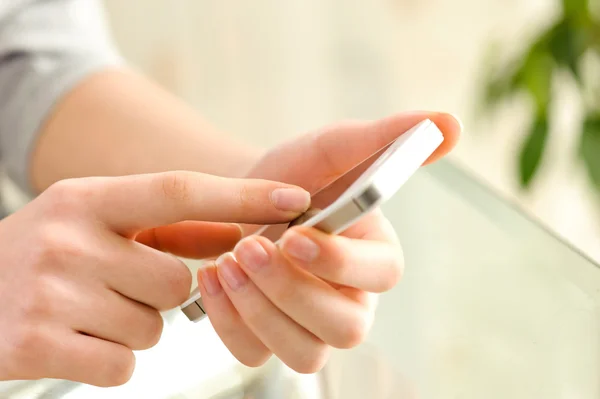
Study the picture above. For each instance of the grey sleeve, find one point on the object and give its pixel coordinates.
(46, 47)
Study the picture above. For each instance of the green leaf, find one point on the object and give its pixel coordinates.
(568, 42)
(498, 78)
(532, 150)
(589, 148)
(536, 77)
(535, 72)
(497, 90)
(577, 9)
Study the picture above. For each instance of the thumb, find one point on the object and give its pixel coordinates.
(319, 158)
(192, 240)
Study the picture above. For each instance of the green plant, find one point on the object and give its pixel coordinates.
(564, 46)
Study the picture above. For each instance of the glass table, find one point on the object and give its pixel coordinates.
(491, 305)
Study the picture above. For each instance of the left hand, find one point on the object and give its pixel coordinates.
(316, 290)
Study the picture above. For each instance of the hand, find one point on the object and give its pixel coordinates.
(84, 273)
(316, 290)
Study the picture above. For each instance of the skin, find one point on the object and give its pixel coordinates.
(88, 292)
(93, 257)
(316, 291)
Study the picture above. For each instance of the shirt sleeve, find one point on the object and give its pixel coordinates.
(46, 48)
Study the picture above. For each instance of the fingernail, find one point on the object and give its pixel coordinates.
(460, 123)
(228, 268)
(210, 281)
(300, 247)
(290, 199)
(236, 227)
(251, 254)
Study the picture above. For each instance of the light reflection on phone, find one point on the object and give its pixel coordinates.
(324, 197)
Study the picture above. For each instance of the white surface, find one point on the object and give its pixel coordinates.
(490, 305)
(190, 358)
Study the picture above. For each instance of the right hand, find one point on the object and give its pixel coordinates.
(84, 268)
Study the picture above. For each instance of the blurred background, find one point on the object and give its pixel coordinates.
(490, 306)
(267, 70)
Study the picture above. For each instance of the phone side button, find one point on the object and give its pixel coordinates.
(195, 310)
(340, 219)
(368, 199)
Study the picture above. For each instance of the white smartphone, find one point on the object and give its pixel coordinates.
(346, 200)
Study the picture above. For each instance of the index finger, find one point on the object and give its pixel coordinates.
(344, 146)
(137, 202)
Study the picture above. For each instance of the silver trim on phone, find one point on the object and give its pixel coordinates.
(194, 310)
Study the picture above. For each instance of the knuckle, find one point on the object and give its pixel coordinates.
(245, 198)
(311, 362)
(256, 319)
(396, 270)
(152, 331)
(175, 186)
(65, 196)
(48, 248)
(285, 293)
(325, 156)
(62, 189)
(337, 264)
(178, 284)
(253, 359)
(39, 301)
(120, 369)
(53, 249)
(351, 334)
(29, 352)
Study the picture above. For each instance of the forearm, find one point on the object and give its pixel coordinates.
(116, 122)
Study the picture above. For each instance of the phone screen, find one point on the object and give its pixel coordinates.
(324, 197)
